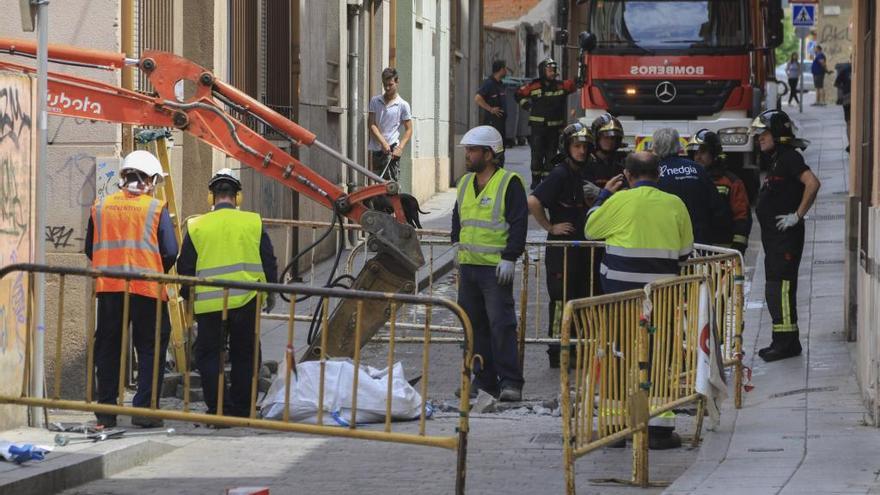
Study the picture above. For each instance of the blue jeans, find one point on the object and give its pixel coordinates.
(492, 313)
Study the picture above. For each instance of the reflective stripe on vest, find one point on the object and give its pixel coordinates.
(483, 234)
(549, 105)
(126, 239)
(227, 242)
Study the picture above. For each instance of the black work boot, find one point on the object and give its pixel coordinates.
(105, 420)
(145, 422)
(663, 438)
(784, 345)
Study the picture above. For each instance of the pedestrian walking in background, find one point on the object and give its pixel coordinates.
(131, 231)
(387, 113)
(685, 178)
(793, 73)
(561, 194)
(843, 83)
(546, 98)
(490, 98)
(786, 195)
(227, 244)
(489, 224)
(819, 69)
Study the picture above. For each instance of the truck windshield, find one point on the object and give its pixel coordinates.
(647, 26)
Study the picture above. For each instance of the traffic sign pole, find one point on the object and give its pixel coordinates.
(803, 17)
(801, 76)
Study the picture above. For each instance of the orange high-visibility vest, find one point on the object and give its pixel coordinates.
(126, 238)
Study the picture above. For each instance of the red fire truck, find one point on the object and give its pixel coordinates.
(688, 64)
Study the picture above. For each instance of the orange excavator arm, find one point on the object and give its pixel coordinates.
(204, 115)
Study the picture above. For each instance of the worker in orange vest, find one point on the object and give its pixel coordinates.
(131, 231)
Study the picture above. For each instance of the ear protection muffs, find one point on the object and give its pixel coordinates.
(238, 199)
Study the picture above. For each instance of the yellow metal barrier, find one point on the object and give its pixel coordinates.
(635, 358)
(327, 298)
(610, 344)
(724, 266)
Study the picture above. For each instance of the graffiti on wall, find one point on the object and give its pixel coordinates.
(75, 182)
(17, 165)
(834, 34)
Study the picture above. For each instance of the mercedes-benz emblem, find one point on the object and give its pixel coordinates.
(665, 92)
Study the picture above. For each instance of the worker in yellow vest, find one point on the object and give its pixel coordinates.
(489, 224)
(227, 244)
(131, 231)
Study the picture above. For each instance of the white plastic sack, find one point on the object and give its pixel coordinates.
(338, 379)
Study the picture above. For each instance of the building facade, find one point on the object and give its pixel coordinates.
(316, 63)
(862, 320)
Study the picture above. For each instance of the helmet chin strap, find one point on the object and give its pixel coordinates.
(138, 186)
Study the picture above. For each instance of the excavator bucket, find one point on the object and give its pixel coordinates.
(392, 271)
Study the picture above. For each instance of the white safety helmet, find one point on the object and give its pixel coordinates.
(484, 135)
(225, 175)
(144, 162)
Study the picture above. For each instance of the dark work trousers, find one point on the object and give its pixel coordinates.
(576, 285)
(782, 258)
(209, 343)
(492, 313)
(108, 345)
(544, 143)
(499, 123)
(577, 282)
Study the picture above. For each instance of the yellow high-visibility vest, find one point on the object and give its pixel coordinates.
(483, 234)
(227, 242)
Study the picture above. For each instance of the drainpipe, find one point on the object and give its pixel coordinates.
(40, 248)
(354, 20)
(437, 58)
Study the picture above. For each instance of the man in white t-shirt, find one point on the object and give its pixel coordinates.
(387, 112)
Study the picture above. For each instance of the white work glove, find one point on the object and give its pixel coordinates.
(455, 262)
(504, 272)
(785, 222)
(591, 192)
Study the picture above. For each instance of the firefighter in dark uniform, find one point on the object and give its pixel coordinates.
(546, 98)
(786, 195)
(561, 193)
(706, 149)
(606, 162)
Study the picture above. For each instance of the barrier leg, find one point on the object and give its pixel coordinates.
(701, 410)
(565, 403)
(739, 301)
(640, 439)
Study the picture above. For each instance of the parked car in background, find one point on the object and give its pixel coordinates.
(808, 76)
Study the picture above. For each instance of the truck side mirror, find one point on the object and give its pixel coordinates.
(587, 41)
(775, 17)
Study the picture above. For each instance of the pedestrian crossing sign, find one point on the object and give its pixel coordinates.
(803, 15)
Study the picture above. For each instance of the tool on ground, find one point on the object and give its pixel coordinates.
(62, 440)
